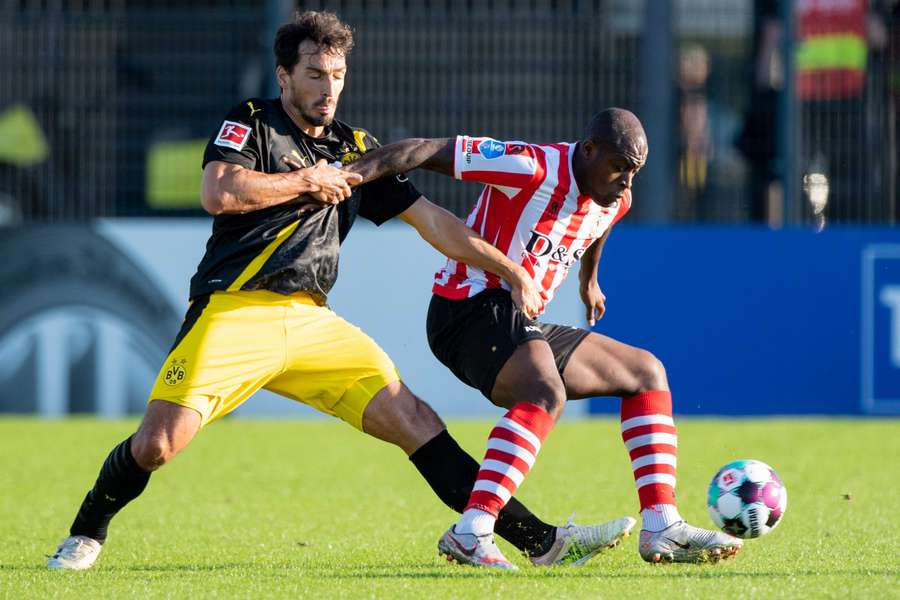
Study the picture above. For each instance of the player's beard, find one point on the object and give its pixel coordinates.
(314, 119)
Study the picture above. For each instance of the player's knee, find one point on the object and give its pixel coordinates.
(650, 373)
(556, 399)
(152, 450)
(397, 416)
(547, 392)
(397, 405)
(420, 419)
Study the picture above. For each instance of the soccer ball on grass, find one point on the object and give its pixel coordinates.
(746, 498)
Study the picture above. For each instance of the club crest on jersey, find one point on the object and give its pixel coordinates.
(175, 372)
(491, 149)
(233, 135)
(349, 158)
(541, 245)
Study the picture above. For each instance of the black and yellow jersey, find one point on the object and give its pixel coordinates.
(282, 248)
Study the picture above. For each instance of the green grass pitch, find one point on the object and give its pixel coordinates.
(258, 509)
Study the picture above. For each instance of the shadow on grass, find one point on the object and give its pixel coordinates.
(188, 568)
(681, 571)
(118, 569)
(429, 571)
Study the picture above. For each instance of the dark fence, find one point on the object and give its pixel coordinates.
(102, 94)
(511, 70)
(105, 105)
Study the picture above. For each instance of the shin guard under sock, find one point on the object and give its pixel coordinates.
(121, 480)
(451, 473)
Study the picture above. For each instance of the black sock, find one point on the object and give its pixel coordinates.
(121, 480)
(451, 473)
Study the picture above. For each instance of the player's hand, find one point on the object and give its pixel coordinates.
(335, 183)
(330, 185)
(525, 295)
(594, 301)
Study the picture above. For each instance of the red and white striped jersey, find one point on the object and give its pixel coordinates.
(529, 209)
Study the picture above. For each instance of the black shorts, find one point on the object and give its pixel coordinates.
(474, 337)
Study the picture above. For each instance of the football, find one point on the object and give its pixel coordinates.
(746, 498)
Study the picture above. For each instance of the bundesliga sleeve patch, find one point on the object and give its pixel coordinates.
(233, 135)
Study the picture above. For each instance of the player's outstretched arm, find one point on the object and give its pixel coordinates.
(232, 189)
(452, 238)
(405, 155)
(591, 294)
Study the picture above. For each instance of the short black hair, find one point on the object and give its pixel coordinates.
(323, 28)
(620, 131)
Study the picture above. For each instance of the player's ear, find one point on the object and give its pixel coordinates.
(589, 149)
(283, 76)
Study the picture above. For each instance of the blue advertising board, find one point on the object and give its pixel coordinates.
(757, 322)
(881, 328)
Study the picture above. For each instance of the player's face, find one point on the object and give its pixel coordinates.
(609, 175)
(315, 85)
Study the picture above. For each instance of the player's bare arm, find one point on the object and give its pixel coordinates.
(591, 294)
(454, 239)
(406, 155)
(232, 189)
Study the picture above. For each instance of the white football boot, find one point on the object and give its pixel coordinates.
(577, 544)
(471, 549)
(687, 544)
(76, 553)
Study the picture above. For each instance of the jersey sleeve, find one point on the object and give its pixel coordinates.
(237, 138)
(502, 164)
(385, 198)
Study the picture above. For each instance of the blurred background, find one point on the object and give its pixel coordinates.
(760, 262)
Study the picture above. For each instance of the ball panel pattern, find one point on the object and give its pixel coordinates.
(746, 498)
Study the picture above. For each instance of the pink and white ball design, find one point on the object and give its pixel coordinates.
(746, 498)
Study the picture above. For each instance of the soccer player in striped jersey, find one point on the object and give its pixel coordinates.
(547, 206)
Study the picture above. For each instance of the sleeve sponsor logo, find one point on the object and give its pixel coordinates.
(469, 145)
(233, 135)
(491, 149)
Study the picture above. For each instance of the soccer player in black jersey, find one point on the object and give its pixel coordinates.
(258, 317)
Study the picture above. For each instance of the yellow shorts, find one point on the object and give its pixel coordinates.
(233, 343)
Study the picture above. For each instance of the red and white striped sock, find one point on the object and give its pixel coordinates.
(512, 448)
(652, 442)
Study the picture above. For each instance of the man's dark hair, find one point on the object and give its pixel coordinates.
(619, 131)
(323, 28)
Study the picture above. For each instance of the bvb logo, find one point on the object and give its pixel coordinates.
(349, 158)
(175, 372)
